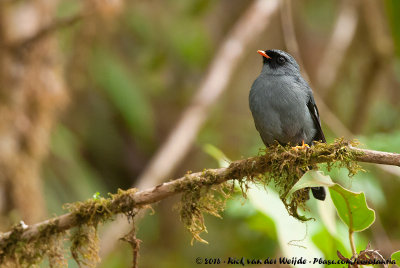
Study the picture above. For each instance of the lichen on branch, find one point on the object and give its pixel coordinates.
(203, 192)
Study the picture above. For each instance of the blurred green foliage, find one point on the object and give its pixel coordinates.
(392, 9)
(109, 73)
(130, 77)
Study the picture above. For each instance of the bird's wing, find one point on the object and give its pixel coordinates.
(312, 107)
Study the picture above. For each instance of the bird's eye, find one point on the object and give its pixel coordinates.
(281, 60)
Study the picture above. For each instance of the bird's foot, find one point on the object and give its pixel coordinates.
(302, 146)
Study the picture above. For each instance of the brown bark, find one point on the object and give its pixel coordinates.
(31, 93)
(377, 157)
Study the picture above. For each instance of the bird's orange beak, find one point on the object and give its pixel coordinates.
(262, 53)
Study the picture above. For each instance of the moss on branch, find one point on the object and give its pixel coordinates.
(203, 192)
(281, 165)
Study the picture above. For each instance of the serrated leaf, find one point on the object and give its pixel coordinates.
(312, 178)
(352, 208)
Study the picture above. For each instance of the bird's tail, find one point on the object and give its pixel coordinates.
(319, 193)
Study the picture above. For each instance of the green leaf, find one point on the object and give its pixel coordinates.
(312, 178)
(127, 96)
(217, 154)
(289, 231)
(352, 208)
(329, 245)
(189, 42)
(96, 196)
(262, 223)
(396, 257)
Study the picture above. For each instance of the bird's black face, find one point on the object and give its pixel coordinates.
(278, 62)
(273, 58)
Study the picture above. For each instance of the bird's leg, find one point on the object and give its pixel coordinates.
(303, 146)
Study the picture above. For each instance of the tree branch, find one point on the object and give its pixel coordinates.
(46, 31)
(253, 166)
(339, 43)
(377, 157)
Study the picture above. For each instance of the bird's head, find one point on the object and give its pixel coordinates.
(278, 62)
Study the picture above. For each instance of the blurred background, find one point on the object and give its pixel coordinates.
(97, 95)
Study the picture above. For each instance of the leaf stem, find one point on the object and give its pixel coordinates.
(352, 244)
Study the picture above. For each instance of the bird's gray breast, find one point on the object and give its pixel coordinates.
(279, 108)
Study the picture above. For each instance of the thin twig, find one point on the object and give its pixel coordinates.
(134, 242)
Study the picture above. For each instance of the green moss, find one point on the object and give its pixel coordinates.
(16, 251)
(92, 210)
(202, 193)
(85, 245)
(123, 201)
(89, 214)
(281, 165)
(287, 165)
(12, 245)
(200, 200)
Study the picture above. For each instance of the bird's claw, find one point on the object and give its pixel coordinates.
(303, 146)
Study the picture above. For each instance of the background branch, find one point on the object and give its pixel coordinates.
(289, 35)
(340, 41)
(335, 52)
(381, 60)
(32, 93)
(46, 31)
(227, 58)
(173, 150)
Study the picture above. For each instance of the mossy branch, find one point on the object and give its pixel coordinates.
(274, 162)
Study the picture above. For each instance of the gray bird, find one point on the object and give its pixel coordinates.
(283, 105)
